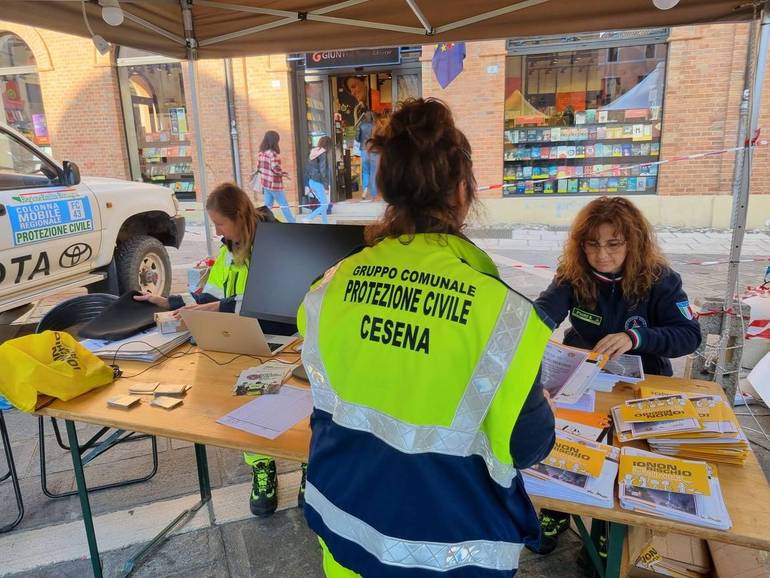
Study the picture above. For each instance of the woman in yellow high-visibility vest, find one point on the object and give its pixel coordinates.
(235, 220)
(424, 369)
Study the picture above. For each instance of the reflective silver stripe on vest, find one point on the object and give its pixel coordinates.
(493, 364)
(464, 436)
(438, 556)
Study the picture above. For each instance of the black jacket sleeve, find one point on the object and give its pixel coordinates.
(176, 301)
(227, 305)
(555, 302)
(534, 433)
(672, 332)
(323, 165)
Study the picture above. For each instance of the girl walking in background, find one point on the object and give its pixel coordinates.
(318, 178)
(271, 174)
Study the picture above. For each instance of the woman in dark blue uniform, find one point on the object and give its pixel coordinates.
(621, 297)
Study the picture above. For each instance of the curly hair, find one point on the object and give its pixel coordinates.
(644, 261)
(424, 159)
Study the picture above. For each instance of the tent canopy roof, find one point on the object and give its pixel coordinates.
(219, 29)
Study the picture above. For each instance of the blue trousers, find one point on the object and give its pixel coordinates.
(279, 196)
(323, 200)
(369, 171)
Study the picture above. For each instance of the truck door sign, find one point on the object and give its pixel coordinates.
(32, 222)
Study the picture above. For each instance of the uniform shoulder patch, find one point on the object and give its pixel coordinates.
(684, 309)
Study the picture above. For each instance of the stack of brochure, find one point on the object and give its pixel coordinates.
(567, 372)
(720, 440)
(655, 416)
(625, 368)
(681, 490)
(577, 470)
(148, 346)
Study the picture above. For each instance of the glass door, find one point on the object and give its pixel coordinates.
(316, 110)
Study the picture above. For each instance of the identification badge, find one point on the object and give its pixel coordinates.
(586, 316)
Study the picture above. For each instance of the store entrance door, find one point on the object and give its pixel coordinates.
(336, 105)
(359, 101)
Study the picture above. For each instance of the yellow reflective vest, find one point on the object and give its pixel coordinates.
(420, 360)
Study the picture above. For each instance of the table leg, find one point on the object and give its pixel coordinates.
(615, 544)
(203, 472)
(205, 491)
(589, 545)
(85, 505)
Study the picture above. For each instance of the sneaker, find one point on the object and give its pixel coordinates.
(301, 494)
(550, 528)
(264, 497)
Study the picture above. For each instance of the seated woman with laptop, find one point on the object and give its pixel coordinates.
(235, 220)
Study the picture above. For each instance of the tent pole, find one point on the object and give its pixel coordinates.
(192, 63)
(741, 200)
(743, 122)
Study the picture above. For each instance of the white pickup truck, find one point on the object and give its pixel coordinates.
(59, 232)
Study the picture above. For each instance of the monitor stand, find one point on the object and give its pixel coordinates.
(300, 373)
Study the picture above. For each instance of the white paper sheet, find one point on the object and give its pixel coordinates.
(759, 378)
(271, 415)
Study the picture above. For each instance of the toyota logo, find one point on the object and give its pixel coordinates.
(75, 255)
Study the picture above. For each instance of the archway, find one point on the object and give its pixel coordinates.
(21, 105)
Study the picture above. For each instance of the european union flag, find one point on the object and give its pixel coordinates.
(448, 62)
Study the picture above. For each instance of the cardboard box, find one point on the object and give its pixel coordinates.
(738, 562)
(653, 555)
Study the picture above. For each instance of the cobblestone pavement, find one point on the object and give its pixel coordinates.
(227, 540)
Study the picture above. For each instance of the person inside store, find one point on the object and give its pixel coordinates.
(423, 413)
(235, 220)
(317, 174)
(368, 157)
(271, 174)
(356, 86)
(621, 296)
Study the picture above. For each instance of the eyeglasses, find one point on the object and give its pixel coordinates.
(612, 246)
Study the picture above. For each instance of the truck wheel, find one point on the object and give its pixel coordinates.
(143, 265)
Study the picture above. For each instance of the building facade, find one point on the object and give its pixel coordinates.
(553, 122)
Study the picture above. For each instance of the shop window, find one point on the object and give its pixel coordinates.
(649, 51)
(157, 125)
(583, 121)
(21, 105)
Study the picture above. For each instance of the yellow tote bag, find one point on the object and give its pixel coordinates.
(53, 363)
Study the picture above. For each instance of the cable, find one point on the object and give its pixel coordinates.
(189, 351)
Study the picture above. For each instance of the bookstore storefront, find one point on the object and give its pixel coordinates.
(158, 132)
(584, 117)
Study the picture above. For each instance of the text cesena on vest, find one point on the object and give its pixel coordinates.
(445, 299)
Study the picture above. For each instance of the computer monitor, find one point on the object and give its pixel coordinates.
(286, 259)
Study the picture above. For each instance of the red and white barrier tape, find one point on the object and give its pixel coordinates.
(706, 263)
